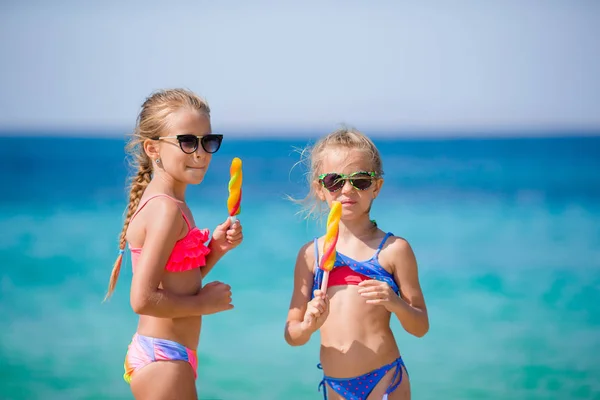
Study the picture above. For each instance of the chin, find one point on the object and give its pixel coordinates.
(354, 212)
(194, 179)
(350, 214)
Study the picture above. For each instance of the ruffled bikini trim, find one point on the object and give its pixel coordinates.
(190, 252)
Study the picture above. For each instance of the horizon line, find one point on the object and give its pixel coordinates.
(300, 133)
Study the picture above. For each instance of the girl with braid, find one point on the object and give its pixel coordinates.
(172, 147)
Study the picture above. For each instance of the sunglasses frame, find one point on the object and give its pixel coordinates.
(351, 178)
(200, 140)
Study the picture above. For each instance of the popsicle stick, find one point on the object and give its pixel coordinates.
(324, 282)
(233, 219)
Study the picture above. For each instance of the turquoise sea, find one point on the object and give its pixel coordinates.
(506, 232)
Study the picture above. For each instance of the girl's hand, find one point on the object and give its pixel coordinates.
(316, 313)
(226, 236)
(214, 297)
(378, 292)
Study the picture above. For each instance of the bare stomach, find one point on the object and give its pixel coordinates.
(356, 337)
(185, 331)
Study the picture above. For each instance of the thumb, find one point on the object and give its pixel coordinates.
(225, 225)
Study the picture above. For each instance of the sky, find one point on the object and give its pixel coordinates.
(282, 66)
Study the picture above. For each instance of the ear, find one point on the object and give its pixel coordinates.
(152, 149)
(318, 188)
(377, 187)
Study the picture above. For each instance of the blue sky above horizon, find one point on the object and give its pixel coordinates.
(276, 67)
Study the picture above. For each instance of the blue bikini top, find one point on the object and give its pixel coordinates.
(370, 268)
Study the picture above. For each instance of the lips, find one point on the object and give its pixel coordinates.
(347, 202)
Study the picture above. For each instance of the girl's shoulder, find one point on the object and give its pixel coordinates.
(306, 256)
(396, 243)
(395, 252)
(157, 209)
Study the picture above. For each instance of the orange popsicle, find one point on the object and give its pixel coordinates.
(331, 237)
(235, 189)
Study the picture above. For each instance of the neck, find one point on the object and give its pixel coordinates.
(167, 185)
(358, 228)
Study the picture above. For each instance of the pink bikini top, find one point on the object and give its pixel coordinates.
(188, 252)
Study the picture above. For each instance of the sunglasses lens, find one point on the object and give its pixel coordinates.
(188, 143)
(362, 181)
(361, 184)
(333, 182)
(211, 143)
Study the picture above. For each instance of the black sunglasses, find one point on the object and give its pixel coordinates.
(361, 180)
(189, 143)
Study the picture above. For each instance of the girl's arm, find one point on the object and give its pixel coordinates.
(296, 333)
(226, 237)
(212, 258)
(162, 231)
(410, 310)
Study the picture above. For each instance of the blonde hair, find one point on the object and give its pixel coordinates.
(312, 157)
(152, 121)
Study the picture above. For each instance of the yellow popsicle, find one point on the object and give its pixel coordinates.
(235, 189)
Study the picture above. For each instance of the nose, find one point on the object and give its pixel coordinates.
(347, 188)
(200, 153)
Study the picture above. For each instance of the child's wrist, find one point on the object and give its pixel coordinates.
(214, 249)
(397, 305)
(306, 329)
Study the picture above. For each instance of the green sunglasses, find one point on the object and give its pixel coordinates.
(333, 181)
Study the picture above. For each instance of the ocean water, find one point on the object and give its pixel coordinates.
(506, 233)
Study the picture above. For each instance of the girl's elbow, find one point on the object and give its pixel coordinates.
(417, 328)
(293, 343)
(290, 340)
(421, 330)
(288, 337)
(140, 304)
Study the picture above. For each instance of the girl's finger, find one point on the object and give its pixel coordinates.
(370, 295)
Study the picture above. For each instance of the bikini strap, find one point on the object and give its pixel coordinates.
(397, 378)
(385, 238)
(161, 195)
(316, 241)
(322, 384)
